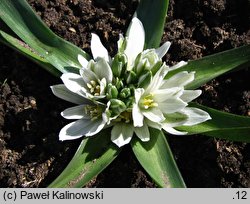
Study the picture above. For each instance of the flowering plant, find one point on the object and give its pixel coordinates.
(131, 93)
(128, 92)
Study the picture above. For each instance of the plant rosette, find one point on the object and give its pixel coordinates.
(130, 92)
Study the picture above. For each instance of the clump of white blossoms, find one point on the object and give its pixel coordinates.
(130, 92)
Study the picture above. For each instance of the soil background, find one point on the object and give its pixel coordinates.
(31, 154)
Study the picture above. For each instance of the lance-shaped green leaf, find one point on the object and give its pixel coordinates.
(93, 155)
(157, 159)
(212, 66)
(25, 50)
(222, 125)
(20, 17)
(152, 14)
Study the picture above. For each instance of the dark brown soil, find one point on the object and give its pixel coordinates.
(31, 154)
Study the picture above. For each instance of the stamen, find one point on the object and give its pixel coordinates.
(93, 82)
(148, 102)
(93, 111)
(94, 88)
(125, 116)
(89, 85)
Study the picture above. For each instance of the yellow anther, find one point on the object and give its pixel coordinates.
(94, 88)
(93, 111)
(93, 82)
(98, 87)
(148, 102)
(89, 85)
(125, 116)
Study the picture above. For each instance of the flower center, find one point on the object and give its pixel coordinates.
(124, 117)
(93, 111)
(148, 102)
(94, 88)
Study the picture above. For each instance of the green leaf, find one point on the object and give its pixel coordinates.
(152, 14)
(223, 125)
(209, 67)
(156, 158)
(25, 50)
(93, 155)
(20, 17)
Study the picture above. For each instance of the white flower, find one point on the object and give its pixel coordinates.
(94, 75)
(123, 128)
(164, 102)
(92, 81)
(128, 92)
(133, 44)
(89, 117)
(122, 133)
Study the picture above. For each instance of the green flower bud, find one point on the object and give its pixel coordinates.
(117, 106)
(145, 79)
(146, 60)
(118, 83)
(129, 101)
(156, 67)
(131, 77)
(112, 91)
(125, 93)
(119, 64)
(121, 44)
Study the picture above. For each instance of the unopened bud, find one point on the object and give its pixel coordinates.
(117, 106)
(156, 67)
(145, 79)
(119, 64)
(129, 102)
(112, 91)
(131, 77)
(118, 83)
(146, 60)
(125, 93)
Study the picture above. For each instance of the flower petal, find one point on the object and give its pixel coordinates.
(136, 113)
(96, 127)
(138, 94)
(62, 92)
(178, 65)
(122, 133)
(82, 61)
(76, 112)
(97, 48)
(73, 82)
(80, 128)
(161, 95)
(195, 116)
(161, 51)
(175, 119)
(171, 105)
(87, 74)
(154, 114)
(73, 130)
(135, 40)
(153, 124)
(103, 70)
(189, 95)
(157, 79)
(103, 84)
(142, 133)
(137, 116)
(173, 131)
(179, 80)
